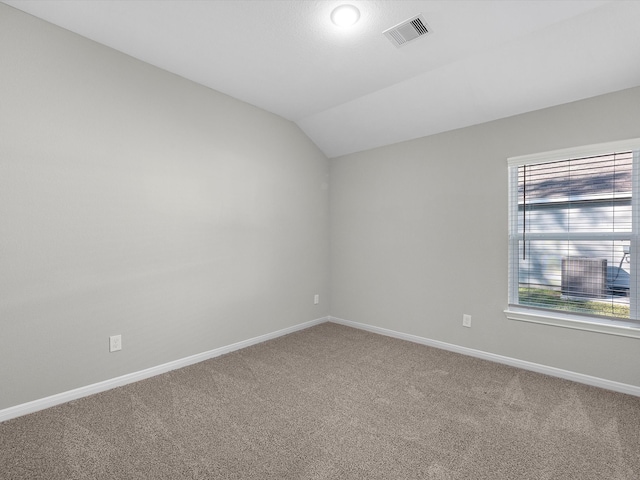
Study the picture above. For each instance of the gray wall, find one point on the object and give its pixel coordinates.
(135, 202)
(419, 236)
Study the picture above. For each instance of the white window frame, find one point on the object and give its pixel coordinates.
(611, 326)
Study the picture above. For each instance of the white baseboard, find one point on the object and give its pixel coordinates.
(514, 362)
(53, 400)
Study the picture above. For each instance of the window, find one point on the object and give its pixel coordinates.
(573, 235)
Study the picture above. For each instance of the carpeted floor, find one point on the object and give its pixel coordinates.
(332, 402)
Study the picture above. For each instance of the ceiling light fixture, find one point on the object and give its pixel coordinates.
(345, 15)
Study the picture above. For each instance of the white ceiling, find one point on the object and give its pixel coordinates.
(351, 89)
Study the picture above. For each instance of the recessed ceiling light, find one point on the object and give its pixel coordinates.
(345, 15)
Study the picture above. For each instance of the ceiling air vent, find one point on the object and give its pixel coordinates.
(407, 31)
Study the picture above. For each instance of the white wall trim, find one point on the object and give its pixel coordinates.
(576, 152)
(514, 362)
(558, 319)
(53, 400)
(57, 399)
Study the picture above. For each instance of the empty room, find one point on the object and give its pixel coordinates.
(299, 239)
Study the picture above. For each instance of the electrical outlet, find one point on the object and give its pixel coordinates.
(316, 299)
(466, 320)
(115, 343)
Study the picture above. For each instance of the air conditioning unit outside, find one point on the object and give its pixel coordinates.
(584, 277)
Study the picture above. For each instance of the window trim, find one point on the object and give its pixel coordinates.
(576, 322)
(523, 313)
(575, 152)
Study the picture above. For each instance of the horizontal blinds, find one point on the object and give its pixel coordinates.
(572, 234)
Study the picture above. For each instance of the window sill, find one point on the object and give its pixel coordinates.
(556, 319)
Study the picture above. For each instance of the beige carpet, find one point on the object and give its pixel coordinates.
(332, 402)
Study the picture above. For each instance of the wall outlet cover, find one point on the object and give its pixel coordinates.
(115, 343)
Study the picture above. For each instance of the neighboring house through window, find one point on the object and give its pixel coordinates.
(573, 237)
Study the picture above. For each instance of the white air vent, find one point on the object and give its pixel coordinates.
(407, 31)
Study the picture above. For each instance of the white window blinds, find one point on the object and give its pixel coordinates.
(573, 231)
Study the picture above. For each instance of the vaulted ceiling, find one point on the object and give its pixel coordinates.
(351, 89)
